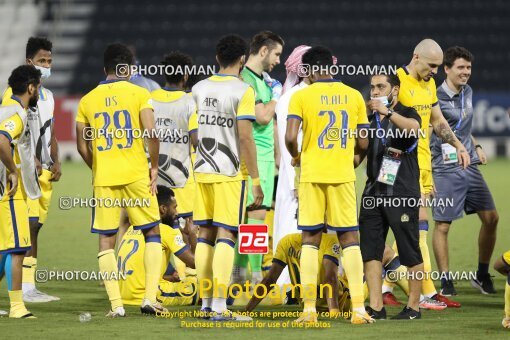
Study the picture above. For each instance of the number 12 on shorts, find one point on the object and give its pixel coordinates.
(253, 239)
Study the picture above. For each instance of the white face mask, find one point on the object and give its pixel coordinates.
(45, 71)
(384, 99)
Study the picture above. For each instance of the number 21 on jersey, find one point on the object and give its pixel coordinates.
(331, 133)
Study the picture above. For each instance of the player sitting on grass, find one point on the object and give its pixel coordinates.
(130, 259)
(288, 253)
(502, 265)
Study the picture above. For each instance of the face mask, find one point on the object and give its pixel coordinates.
(45, 71)
(383, 99)
(386, 100)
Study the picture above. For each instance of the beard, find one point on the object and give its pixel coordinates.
(266, 65)
(168, 220)
(32, 102)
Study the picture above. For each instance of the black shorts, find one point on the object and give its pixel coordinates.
(373, 228)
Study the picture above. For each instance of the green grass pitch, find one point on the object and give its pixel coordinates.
(67, 244)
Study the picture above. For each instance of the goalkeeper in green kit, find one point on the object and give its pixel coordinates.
(265, 51)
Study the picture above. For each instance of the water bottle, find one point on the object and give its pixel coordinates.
(85, 317)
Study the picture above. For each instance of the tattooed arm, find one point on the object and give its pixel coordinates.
(443, 130)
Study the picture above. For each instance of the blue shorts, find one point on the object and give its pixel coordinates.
(466, 189)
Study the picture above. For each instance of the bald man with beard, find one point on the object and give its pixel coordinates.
(418, 90)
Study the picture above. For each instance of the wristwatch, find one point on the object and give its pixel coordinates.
(390, 113)
(478, 146)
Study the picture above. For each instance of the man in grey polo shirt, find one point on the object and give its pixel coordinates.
(466, 188)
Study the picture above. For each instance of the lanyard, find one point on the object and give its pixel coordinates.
(383, 138)
(461, 116)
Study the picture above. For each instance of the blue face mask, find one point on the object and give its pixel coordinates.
(45, 71)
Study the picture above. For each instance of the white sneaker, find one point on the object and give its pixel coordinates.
(119, 312)
(256, 278)
(51, 297)
(152, 308)
(3, 313)
(33, 296)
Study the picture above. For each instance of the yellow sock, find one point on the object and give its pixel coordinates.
(507, 297)
(427, 287)
(354, 272)
(222, 265)
(179, 266)
(29, 265)
(152, 259)
(390, 284)
(108, 265)
(18, 308)
(309, 268)
(402, 281)
(203, 263)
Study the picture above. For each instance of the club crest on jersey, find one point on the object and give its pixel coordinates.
(336, 249)
(404, 218)
(9, 126)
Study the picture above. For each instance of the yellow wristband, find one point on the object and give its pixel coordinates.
(255, 181)
(295, 159)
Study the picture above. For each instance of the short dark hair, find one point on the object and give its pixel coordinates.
(456, 52)
(21, 77)
(391, 78)
(318, 55)
(164, 195)
(230, 48)
(179, 62)
(265, 38)
(116, 54)
(35, 44)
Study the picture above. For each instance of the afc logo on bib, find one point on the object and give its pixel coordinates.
(253, 239)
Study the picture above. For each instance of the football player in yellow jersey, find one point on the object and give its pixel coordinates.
(226, 155)
(107, 119)
(18, 180)
(418, 90)
(288, 253)
(330, 113)
(130, 258)
(41, 120)
(502, 265)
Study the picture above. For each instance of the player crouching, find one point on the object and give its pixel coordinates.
(131, 259)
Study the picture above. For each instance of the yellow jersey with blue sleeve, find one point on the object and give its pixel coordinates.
(130, 260)
(331, 114)
(14, 227)
(422, 96)
(12, 129)
(112, 110)
(288, 253)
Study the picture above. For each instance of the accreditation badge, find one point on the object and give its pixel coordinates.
(449, 153)
(389, 167)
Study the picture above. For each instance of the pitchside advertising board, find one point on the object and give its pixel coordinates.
(490, 120)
